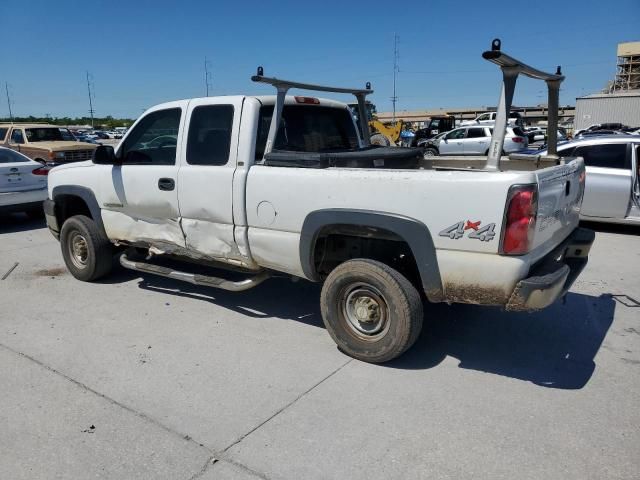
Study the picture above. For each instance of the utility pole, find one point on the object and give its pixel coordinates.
(90, 99)
(207, 76)
(396, 68)
(6, 88)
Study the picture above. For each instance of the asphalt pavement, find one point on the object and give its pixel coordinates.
(139, 377)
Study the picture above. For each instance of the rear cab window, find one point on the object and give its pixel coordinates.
(209, 140)
(307, 128)
(3, 134)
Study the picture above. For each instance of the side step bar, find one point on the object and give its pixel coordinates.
(196, 279)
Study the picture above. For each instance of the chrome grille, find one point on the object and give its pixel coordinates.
(78, 155)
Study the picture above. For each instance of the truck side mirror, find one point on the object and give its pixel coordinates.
(104, 155)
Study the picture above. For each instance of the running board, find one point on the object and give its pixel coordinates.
(196, 279)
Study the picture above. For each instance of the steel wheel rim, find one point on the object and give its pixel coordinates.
(366, 311)
(78, 250)
(429, 153)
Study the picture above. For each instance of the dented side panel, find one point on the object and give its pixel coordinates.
(120, 226)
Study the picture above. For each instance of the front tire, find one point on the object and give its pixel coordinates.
(371, 311)
(430, 152)
(380, 140)
(86, 249)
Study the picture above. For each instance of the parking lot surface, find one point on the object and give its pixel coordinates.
(143, 377)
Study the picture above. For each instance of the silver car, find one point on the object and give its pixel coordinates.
(23, 183)
(475, 140)
(612, 189)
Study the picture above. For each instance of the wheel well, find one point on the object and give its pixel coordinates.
(336, 244)
(70, 205)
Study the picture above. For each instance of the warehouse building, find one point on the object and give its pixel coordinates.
(619, 107)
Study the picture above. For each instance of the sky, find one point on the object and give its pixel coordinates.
(140, 53)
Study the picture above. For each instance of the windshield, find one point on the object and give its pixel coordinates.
(43, 134)
(307, 128)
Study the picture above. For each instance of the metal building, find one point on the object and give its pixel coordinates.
(619, 107)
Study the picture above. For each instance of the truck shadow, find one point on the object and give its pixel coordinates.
(19, 222)
(553, 348)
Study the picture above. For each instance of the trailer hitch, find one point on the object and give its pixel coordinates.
(511, 68)
(283, 86)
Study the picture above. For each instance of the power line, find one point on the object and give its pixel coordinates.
(396, 68)
(91, 111)
(207, 75)
(6, 87)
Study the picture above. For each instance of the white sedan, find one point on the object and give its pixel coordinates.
(23, 183)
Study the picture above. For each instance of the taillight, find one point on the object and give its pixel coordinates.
(41, 171)
(518, 139)
(308, 100)
(520, 221)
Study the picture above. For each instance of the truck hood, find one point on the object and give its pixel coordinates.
(67, 166)
(62, 146)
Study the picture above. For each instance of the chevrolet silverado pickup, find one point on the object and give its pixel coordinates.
(289, 184)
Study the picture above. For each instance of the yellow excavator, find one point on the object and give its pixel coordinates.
(383, 134)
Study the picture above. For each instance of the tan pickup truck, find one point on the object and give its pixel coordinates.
(44, 143)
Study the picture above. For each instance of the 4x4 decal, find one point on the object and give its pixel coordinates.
(458, 230)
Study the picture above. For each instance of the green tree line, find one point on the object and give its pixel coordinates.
(99, 122)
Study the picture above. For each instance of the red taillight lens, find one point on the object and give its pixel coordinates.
(518, 139)
(520, 223)
(308, 100)
(40, 171)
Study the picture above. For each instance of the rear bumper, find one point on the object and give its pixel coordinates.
(17, 201)
(554, 274)
(50, 216)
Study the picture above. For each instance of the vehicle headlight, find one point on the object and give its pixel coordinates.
(59, 155)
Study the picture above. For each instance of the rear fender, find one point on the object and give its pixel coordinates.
(413, 232)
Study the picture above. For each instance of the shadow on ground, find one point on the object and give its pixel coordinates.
(554, 348)
(19, 222)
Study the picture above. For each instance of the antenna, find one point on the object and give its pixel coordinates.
(6, 87)
(396, 69)
(91, 111)
(207, 75)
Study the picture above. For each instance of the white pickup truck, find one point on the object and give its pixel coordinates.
(225, 181)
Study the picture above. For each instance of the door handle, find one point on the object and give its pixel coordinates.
(166, 184)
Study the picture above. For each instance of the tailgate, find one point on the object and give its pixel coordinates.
(560, 191)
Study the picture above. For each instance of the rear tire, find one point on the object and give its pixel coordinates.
(371, 311)
(86, 249)
(380, 140)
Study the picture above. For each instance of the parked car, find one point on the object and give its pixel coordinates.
(612, 190)
(23, 183)
(489, 118)
(474, 140)
(598, 133)
(43, 143)
(538, 134)
(230, 183)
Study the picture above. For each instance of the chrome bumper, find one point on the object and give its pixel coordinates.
(554, 275)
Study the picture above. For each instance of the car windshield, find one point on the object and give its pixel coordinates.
(43, 134)
(307, 128)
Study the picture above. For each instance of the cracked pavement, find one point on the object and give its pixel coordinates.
(183, 382)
